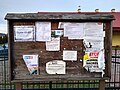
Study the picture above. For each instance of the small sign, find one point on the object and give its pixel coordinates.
(93, 54)
(56, 33)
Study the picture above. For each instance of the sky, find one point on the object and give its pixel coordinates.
(34, 6)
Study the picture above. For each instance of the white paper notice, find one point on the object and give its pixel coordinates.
(43, 31)
(53, 45)
(24, 33)
(56, 67)
(70, 55)
(32, 63)
(73, 30)
(93, 30)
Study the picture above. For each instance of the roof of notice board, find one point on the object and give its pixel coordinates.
(89, 16)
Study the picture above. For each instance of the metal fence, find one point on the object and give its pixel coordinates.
(112, 84)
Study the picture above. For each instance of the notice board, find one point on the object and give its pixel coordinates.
(69, 46)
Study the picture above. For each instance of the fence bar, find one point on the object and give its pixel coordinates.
(115, 65)
(101, 84)
(113, 84)
(50, 85)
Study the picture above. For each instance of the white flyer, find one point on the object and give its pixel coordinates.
(92, 66)
(94, 62)
(74, 30)
(56, 67)
(24, 33)
(31, 62)
(70, 55)
(43, 31)
(53, 45)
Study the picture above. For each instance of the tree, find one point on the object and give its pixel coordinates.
(3, 39)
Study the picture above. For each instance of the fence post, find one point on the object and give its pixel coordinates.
(50, 85)
(18, 86)
(101, 84)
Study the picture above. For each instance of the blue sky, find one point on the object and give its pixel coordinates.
(7, 6)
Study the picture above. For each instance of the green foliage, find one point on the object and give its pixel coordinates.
(3, 39)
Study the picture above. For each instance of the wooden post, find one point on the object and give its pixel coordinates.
(18, 86)
(101, 84)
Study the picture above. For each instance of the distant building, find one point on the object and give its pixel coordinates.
(116, 29)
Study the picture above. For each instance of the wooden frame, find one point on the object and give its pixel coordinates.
(75, 71)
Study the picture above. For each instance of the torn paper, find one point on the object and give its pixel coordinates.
(61, 25)
(94, 61)
(101, 59)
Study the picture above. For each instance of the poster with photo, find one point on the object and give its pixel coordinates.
(31, 62)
